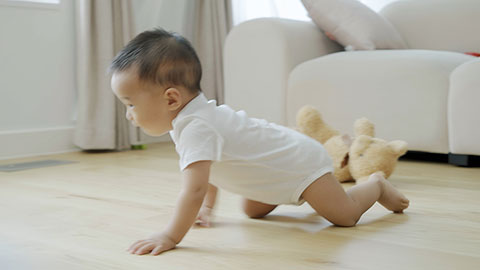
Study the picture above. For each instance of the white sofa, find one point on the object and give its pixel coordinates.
(427, 95)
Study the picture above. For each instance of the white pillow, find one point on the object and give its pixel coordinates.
(354, 25)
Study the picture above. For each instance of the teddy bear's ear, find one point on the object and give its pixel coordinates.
(398, 147)
(363, 126)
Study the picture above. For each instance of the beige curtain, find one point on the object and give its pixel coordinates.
(211, 22)
(103, 28)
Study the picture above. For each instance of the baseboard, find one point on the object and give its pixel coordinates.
(425, 156)
(36, 142)
(454, 159)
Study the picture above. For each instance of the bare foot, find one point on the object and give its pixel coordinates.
(391, 198)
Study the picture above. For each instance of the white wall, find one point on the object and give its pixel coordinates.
(37, 71)
(37, 79)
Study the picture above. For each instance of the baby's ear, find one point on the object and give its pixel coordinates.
(173, 97)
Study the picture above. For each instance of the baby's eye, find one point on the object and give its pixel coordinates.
(130, 105)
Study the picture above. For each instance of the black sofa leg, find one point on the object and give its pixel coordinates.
(459, 160)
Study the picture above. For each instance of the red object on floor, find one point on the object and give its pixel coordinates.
(473, 54)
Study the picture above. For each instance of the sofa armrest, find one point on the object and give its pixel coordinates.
(258, 57)
(464, 109)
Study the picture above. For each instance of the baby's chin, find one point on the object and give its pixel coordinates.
(154, 133)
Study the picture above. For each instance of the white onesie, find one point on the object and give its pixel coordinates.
(264, 162)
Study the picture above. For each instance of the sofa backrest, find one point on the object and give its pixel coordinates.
(451, 25)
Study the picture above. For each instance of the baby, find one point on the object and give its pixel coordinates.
(157, 76)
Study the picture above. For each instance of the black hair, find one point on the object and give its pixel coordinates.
(161, 57)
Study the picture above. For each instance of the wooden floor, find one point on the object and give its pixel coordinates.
(84, 215)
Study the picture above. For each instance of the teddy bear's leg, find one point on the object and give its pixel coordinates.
(310, 122)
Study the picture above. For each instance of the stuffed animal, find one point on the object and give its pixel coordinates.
(353, 158)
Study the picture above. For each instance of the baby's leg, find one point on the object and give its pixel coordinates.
(342, 208)
(255, 209)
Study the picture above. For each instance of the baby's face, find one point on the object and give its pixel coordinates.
(146, 104)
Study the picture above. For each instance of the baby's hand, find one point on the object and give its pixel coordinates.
(204, 217)
(154, 245)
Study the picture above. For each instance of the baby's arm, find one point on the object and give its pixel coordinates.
(195, 186)
(211, 196)
(205, 214)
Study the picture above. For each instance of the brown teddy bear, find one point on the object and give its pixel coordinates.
(353, 158)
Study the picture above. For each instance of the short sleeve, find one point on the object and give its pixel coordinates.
(198, 141)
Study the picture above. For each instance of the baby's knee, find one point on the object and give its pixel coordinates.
(253, 213)
(256, 209)
(347, 220)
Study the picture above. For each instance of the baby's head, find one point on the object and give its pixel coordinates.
(155, 76)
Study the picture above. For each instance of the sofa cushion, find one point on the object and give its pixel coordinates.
(447, 25)
(354, 25)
